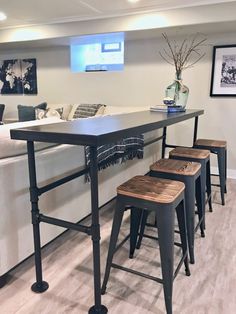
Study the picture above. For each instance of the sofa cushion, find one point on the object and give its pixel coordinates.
(48, 113)
(27, 113)
(66, 109)
(9, 147)
(85, 110)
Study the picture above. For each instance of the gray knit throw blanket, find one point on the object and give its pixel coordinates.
(110, 154)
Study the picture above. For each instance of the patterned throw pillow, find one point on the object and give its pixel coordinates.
(48, 113)
(86, 110)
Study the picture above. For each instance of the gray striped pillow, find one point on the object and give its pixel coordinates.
(86, 110)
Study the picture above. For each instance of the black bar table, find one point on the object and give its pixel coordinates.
(92, 133)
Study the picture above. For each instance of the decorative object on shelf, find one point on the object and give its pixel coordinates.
(178, 91)
(223, 75)
(168, 108)
(169, 101)
(182, 55)
(18, 76)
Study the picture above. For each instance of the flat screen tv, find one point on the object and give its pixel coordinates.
(103, 52)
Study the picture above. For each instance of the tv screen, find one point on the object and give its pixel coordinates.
(104, 52)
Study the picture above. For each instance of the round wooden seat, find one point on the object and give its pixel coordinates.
(175, 166)
(190, 153)
(152, 189)
(210, 143)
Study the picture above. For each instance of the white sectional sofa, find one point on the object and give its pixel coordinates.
(16, 238)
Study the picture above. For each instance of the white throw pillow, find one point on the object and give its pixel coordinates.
(48, 113)
(66, 109)
(9, 147)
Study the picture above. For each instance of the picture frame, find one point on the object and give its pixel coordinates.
(223, 74)
(18, 76)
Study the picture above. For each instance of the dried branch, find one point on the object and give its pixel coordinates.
(185, 54)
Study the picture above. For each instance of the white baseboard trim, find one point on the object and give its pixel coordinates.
(231, 173)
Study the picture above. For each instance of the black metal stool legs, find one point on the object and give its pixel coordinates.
(200, 209)
(183, 234)
(142, 228)
(190, 216)
(208, 184)
(165, 223)
(118, 216)
(222, 174)
(225, 170)
(135, 218)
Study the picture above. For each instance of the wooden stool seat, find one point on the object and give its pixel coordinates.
(210, 143)
(175, 166)
(190, 153)
(152, 189)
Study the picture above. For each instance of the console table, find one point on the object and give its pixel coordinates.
(92, 133)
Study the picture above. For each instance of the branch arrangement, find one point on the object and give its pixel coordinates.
(185, 54)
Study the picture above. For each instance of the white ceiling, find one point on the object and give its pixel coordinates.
(33, 12)
(44, 23)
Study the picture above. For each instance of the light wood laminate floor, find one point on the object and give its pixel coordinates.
(67, 266)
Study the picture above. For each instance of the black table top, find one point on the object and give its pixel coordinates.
(102, 130)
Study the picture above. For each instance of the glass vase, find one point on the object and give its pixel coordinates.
(178, 91)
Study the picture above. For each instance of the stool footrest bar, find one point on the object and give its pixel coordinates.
(135, 272)
(213, 184)
(122, 242)
(155, 238)
(179, 265)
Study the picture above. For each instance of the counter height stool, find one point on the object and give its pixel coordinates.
(163, 197)
(220, 149)
(203, 157)
(189, 173)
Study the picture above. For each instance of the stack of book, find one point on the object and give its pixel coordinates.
(168, 109)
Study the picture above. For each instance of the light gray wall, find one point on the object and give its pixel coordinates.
(142, 83)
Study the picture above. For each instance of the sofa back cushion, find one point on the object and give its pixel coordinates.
(9, 147)
(66, 109)
(27, 113)
(48, 113)
(85, 110)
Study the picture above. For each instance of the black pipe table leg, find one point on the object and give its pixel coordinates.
(163, 149)
(39, 286)
(195, 130)
(97, 308)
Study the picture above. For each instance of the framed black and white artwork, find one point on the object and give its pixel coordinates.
(18, 76)
(223, 76)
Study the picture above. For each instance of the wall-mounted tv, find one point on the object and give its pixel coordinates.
(102, 52)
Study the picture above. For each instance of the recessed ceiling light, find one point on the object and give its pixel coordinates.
(133, 1)
(2, 16)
